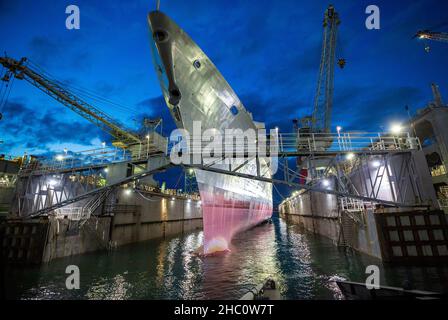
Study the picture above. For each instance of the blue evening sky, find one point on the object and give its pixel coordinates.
(268, 51)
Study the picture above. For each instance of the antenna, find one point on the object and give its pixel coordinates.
(158, 5)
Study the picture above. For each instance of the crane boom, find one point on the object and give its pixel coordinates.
(323, 100)
(431, 35)
(21, 71)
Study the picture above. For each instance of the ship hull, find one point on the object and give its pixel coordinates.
(196, 93)
(227, 212)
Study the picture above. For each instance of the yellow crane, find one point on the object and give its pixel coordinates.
(431, 35)
(20, 70)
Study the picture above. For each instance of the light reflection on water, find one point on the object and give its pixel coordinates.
(301, 263)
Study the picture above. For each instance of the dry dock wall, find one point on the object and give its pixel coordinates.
(319, 213)
(144, 216)
(132, 218)
(67, 238)
(6, 196)
(398, 235)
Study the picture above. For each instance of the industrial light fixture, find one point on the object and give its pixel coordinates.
(106, 170)
(326, 183)
(147, 136)
(338, 129)
(396, 128)
(127, 192)
(172, 199)
(59, 157)
(52, 182)
(350, 156)
(376, 163)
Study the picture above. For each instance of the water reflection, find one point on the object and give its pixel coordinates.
(302, 264)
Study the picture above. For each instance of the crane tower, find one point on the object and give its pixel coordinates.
(320, 120)
(323, 100)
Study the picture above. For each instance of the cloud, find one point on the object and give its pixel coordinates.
(44, 49)
(24, 127)
(371, 108)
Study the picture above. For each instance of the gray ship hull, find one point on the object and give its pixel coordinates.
(194, 90)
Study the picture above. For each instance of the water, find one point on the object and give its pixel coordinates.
(302, 264)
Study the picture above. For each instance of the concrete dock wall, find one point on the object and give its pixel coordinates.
(400, 235)
(6, 196)
(131, 218)
(144, 216)
(343, 230)
(67, 238)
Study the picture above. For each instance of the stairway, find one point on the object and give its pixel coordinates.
(90, 207)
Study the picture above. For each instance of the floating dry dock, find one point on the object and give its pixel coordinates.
(410, 175)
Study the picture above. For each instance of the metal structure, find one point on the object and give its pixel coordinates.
(432, 35)
(195, 90)
(78, 190)
(20, 70)
(76, 183)
(323, 100)
(190, 183)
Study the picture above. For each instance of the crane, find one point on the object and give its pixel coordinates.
(20, 70)
(320, 120)
(432, 35)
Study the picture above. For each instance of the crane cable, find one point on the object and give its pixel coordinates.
(2, 85)
(278, 192)
(83, 91)
(7, 92)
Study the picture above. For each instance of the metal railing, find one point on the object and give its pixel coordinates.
(90, 158)
(281, 143)
(349, 141)
(71, 213)
(307, 142)
(351, 205)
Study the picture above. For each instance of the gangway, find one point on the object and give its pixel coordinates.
(364, 147)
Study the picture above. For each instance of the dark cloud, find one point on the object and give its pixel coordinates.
(33, 129)
(8, 7)
(56, 53)
(372, 108)
(44, 49)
